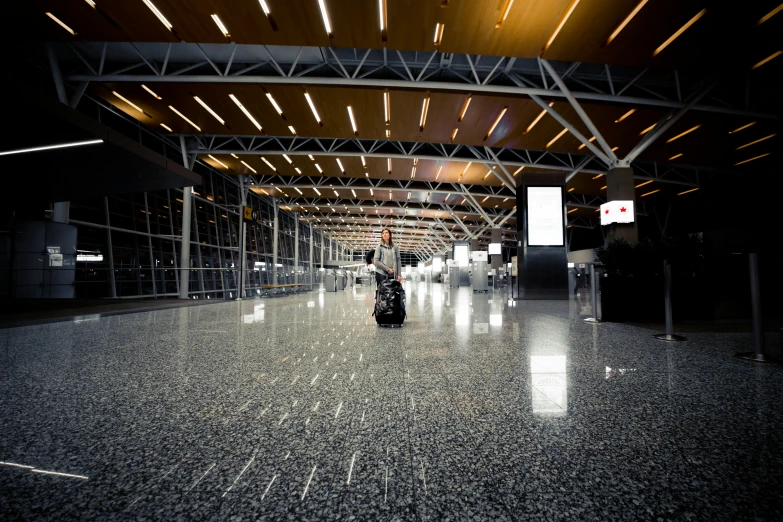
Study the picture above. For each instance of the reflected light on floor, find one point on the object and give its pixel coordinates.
(549, 390)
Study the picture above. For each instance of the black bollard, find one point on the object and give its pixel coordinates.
(667, 298)
(758, 331)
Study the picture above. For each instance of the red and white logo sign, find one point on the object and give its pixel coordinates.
(617, 212)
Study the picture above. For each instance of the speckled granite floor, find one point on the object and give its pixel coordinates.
(301, 408)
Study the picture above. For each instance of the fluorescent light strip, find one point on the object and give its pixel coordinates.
(648, 129)
(624, 116)
(364, 163)
(339, 164)
(556, 137)
(264, 7)
(184, 118)
(118, 95)
(336, 194)
(325, 16)
(438, 33)
(317, 192)
(572, 210)
(653, 192)
(311, 157)
(541, 115)
(388, 133)
(251, 168)
(643, 184)
(287, 159)
(150, 91)
(437, 174)
(61, 24)
(757, 141)
(92, 4)
(381, 15)
(687, 191)
(424, 106)
(770, 14)
(354, 193)
(464, 109)
(290, 128)
(504, 13)
(50, 147)
(466, 167)
(297, 170)
(389, 164)
(245, 111)
(496, 122)
(751, 159)
(312, 107)
(274, 104)
(234, 156)
(675, 156)
(454, 134)
(765, 60)
(413, 172)
(518, 171)
(683, 133)
(268, 164)
(386, 108)
(158, 14)
(317, 166)
(220, 25)
(583, 145)
(209, 110)
(166, 127)
(743, 127)
(562, 23)
(603, 188)
(353, 122)
(625, 22)
(213, 158)
(679, 32)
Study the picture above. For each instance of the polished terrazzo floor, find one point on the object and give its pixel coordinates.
(301, 408)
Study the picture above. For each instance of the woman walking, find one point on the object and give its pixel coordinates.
(387, 259)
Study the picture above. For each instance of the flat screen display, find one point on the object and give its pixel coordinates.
(462, 255)
(494, 249)
(545, 216)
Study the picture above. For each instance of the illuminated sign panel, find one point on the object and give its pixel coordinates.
(617, 212)
(545, 216)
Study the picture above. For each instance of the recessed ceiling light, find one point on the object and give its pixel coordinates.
(582, 146)
(625, 22)
(765, 60)
(643, 184)
(504, 13)
(679, 32)
(209, 110)
(388, 133)
(743, 127)
(312, 108)
(624, 116)
(413, 173)
(245, 111)
(297, 170)
(339, 164)
(653, 192)
(497, 120)
(290, 128)
(264, 7)
(540, 115)
(353, 192)
(556, 138)
(751, 159)
(364, 164)
(675, 156)
(336, 194)
(157, 13)
(166, 127)
(287, 159)
(92, 4)
(437, 174)
(683, 133)
(185, 118)
(770, 14)
(274, 104)
(438, 33)
(268, 164)
(572, 210)
(150, 91)
(317, 192)
(248, 166)
(598, 176)
(311, 157)
(389, 164)
(424, 106)
(353, 122)
(562, 23)
(325, 16)
(317, 166)
(118, 95)
(518, 171)
(688, 191)
(220, 25)
(217, 160)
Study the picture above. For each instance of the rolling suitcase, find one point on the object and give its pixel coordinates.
(390, 303)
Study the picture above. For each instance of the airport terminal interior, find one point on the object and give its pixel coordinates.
(583, 196)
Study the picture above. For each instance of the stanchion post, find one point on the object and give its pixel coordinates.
(593, 295)
(758, 354)
(667, 302)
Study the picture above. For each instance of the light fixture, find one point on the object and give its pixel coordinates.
(497, 120)
(388, 133)
(166, 127)
(687, 191)
(643, 184)
(297, 170)
(311, 157)
(290, 128)
(571, 189)
(353, 192)
(409, 195)
(424, 106)
(382, 18)
(268, 164)
(248, 166)
(679, 32)
(464, 108)
(61, 24)
(597, 176)
(675, 156)
(371, 192)
(413, 172)
(317, 192)
(751, 159)
(754, 142)
(765, 60)
(150, 91)
(274, 104)
(312, 108)
(92, 4)
(317, 166)
(213, 158)
(560, 134)
(158, 14)
(504, 13)
(437, 174)
(438, 33)
(50, 147)
(624, 116)
(572, 210)
(603, 188)
(615, 148)
(209, 110)
(389, 164)
(287, 159)
(184, 118)
(653, 192)
(743, 127)
(220, 25)
(325, 16)
(518, 171)
(625, 22)
(769, 15)
(683, 133)
(336, 194)
(245, 111)
(582, 146)
(353, 122)
(118, 95)
(364, 164)
(540, 115)
(339, 164)
(562, 23)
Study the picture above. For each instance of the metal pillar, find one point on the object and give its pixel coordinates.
(187, 204)
(667, 297)
(296, 247)
(112, 282)
(323, 248)
(242, 240)
(758, 331)
(312, 273)
(275, 231)
(153, 272)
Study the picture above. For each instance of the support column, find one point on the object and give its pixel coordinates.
(323, 248)
(312, 240)
(275, 232)
(242, 240)
(620, 186)
(184, 251)
(112, 281)
(496, 236)
(61, 208)
(296, 247)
